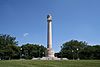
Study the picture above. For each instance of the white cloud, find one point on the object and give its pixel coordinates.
(25, 34)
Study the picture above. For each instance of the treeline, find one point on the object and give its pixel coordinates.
(9, 49)
(73, 49)
(79, 50)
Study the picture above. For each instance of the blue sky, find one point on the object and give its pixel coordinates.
(72, 19)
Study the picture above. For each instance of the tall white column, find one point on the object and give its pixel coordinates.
(49, 33)
(50, 52)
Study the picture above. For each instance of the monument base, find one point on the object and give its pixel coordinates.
(50, 53)
(49, 58)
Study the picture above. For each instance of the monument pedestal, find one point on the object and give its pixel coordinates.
(50, 52)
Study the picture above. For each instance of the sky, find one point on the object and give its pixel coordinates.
(72, 19)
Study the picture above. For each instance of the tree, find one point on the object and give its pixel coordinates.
(79, 49)
(96, 51)
(72, 48)
(8, 46)
(32, 50)
(90, 52)
(86, 53)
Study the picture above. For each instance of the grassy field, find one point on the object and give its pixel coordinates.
(38, 63)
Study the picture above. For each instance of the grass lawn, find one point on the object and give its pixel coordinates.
(42, 63)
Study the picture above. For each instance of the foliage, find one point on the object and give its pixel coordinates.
(8, 47)
(32, 50)
(70, 49)
(79, 50)
(73, 49)
(90, 52)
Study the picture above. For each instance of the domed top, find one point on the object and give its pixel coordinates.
(49, 17)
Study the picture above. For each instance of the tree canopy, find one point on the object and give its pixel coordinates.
(75, 49)
(8, 47)
(30, 51)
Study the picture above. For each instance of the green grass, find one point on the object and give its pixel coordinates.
(41, 63)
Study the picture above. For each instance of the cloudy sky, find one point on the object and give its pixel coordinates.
(72, 19)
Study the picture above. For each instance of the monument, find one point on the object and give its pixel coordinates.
(50, 52)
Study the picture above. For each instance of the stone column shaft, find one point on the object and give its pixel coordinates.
(49, 42)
